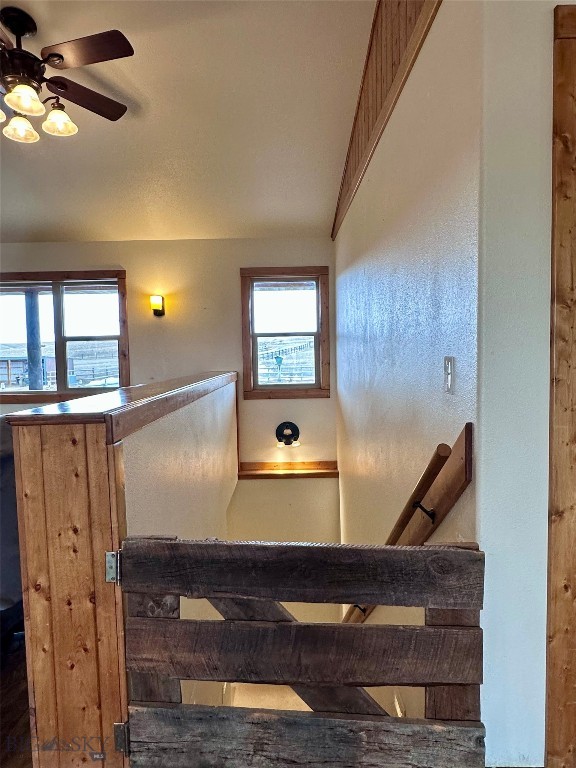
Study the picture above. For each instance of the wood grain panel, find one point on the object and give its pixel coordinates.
(109, 670)
(561, 663)
(233, 737)
(324, 699)
(398, 32)
(316, 573)
(36, 593)
(286, 653)
(73, 595)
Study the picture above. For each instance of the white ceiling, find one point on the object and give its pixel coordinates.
(238, 121)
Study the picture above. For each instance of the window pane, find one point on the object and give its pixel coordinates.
(93, 363)
(91, 311)
(286, 360)
(27, 340)
(285, 306)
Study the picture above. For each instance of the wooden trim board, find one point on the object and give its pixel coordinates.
(398, 33)
(561, 658)
(277, 470)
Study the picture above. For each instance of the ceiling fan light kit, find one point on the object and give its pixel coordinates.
(20, 129)
(22, 77)
(58, 122)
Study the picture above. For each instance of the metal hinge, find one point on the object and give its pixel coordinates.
(122, 738)
(113, 566)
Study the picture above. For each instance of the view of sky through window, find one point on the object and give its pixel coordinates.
(285, 307)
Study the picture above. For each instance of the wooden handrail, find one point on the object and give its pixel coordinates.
(126, 410)
(437, 461)
(448, 474)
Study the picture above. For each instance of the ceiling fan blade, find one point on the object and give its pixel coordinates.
(88, 50)
(5, 41)
(85, 97)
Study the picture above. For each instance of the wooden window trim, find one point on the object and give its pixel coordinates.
(62, 394)
(285, 392)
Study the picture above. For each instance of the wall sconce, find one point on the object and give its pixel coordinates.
(157, 305)
(287, 434)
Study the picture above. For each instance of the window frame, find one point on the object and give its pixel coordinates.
(58, 281)
(253, 391)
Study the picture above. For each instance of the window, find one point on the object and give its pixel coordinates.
(62, 333)
(285, 339)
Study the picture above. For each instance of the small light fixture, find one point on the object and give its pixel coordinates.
(58, 122)
(157, 305)
(20, 129)
(2, 117)
(287, 434)
(24, 99)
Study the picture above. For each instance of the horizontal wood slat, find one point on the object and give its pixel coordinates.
(320, 654)
(233, 737)
(322, 699)
(317, 573)
(398, 33)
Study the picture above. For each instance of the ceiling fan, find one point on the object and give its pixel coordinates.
(22, 76)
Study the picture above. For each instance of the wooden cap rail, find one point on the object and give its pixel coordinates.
(448, 474)
(126, 410)
(429, 577)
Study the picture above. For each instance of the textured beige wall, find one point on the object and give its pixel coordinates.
(407, 259)
(514, 356)
(180, 475)
(201, 330)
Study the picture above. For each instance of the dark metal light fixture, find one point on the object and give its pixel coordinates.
(287, 434)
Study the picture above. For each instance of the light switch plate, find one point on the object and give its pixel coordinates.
(449, 363)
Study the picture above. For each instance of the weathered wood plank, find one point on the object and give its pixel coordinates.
(452, 702)
(317, 654)
(561, 660)
(324, 699)
(144, 686)
(316, 573)
(233, 737)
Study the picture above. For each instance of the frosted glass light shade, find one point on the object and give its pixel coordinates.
(24, 99)
(58, 123)
(2, 117)
(20, 129)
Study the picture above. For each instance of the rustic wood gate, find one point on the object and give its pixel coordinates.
(326, 664)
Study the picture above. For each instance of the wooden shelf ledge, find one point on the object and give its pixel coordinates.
(271, 470)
